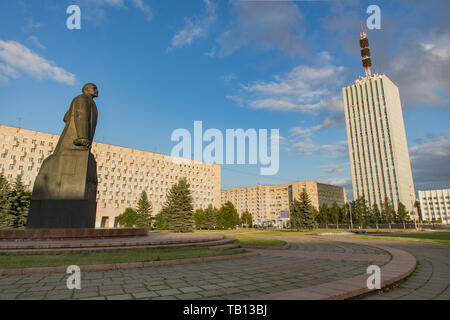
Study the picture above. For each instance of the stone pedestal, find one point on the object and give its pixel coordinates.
(65, 192)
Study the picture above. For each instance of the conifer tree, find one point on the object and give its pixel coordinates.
(303, 214)
(334, 214)
(4, 203)
(376, 213)
(210, 214)
(387, 211)
(324, 214)
(402, 214)
(15, 212)
(179, 207)
(161, 220)
(143, 212)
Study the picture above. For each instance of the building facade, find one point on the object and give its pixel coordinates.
(123, 173)
(378, 149)
(435, 205)
(267, 203)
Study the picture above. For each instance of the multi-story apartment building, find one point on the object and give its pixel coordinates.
(435, 205)
(378, 150)
(267, 203)
(123, 173)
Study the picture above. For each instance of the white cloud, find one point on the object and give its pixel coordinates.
(195, 27)
(343, 182)
(338, 150)
(36, 42)
(141, 5)
(17, 57)
(332, 168)
(95, 9)
(303, 89)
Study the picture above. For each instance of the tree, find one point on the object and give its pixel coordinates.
(376, 213)
(303, 214)
(334, 214)
(127, 219)
(161, 220)
(324, 215)
(143, 211)
(361, 211)
(247, 219)
(387, 211)
(179, 207)
(4, 203)
(15, 211)
(210, 214)
(402, 214)
(345, 213)
(199, 218)
(229, 216)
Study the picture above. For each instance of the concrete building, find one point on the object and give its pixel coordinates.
(123, 173)
(266, 203)
(378, 150)
(435, 205)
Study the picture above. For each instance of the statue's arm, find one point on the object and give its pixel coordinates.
(81, 120)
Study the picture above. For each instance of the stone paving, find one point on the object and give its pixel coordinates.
(310, 261)
(430, 280)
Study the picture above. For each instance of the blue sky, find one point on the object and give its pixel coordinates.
(160, 65)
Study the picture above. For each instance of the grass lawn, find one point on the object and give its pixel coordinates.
(441, 237)
(29, 261)
(251, 241)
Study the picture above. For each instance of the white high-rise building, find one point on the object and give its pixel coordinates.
(378, 150)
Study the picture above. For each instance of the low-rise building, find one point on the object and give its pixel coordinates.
(435, 205)
(123, 173)
(268, 204)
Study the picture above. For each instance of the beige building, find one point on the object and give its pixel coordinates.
(378, 150)
(123, 173)
(266, 203)
(435, 205)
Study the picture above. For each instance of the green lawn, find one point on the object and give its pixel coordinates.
(252, 241)
(29, 261)
(441, 237)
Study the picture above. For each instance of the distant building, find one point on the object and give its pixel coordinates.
(268, 203)
(123, 173)
(378, 150)
(435, 205)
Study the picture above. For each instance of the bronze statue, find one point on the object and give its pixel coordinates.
(65, 190)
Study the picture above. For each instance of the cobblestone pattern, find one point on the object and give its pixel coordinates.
(231, 279)
(430, 280)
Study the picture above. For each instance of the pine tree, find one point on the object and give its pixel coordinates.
(324, 214)
(143, 212)
(210, 214)
(387, 211)
(402, 214)
(15, 212)
(5, 220)
(179, 207)
(199, 218)
(376, 214)
(335, 213)
(303, 214)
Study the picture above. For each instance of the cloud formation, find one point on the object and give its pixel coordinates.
(15, 58)
(195, 27)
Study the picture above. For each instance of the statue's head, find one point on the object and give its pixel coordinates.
(91, 90)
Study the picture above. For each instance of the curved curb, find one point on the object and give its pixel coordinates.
(127, 265)
(401, 265)
(285, 247)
